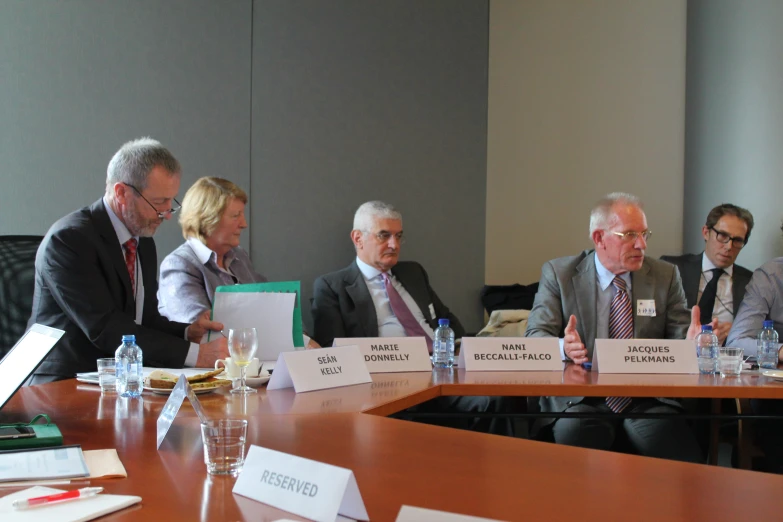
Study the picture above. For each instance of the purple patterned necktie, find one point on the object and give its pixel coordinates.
(620, 327)
(404, 315)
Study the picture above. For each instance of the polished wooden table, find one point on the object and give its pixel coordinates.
(398, 462)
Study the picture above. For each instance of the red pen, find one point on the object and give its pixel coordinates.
(76, 494)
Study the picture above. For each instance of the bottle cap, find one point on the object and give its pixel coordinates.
(769, 324)
(443, 322)
(706, 328)
(129, 338)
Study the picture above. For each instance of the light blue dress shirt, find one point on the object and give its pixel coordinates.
(388, 324)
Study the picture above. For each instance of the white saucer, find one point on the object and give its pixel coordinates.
(774, 374)
(255, 382)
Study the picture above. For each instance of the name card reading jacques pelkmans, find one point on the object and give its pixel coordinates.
(392, 354)
(310, 370)
(510, 354)
(645, 356)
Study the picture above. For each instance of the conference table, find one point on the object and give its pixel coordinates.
(397, 462)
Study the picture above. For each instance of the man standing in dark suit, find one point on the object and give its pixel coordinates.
(596, 295)
(725, 233)
(377, 295)
(96, 273)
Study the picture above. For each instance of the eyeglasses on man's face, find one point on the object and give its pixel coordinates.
(723, 237)
(628, 237)
(383, 237)
(161, 215)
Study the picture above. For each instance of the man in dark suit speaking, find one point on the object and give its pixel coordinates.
(711, 278)
(377, 295)
(96, 273)
(597, 295)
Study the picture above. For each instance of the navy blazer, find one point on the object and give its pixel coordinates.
(342, 305)
(82, 286)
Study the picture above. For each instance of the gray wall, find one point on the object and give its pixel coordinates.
(351, 100)
(734, 119)
(79, 78)
(357, 100)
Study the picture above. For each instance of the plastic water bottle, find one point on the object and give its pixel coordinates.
(707, 350)
(767, 343)
(443, 345)
(128, 365)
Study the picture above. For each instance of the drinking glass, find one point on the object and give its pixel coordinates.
(730, 361)
(106, 374)
(224, 445)
(242, 345)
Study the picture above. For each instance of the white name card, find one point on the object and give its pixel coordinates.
(304, 487)
(510, 354)
(391, 354)
(310, 370)
(645, 356)
(417, 514)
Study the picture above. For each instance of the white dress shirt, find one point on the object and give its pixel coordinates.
(605, 292)
(123, 234)
(388, 324)
(724, 299)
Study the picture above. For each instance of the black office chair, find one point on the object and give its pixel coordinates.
(17, 280)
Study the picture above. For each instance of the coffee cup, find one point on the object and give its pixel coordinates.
(232, 369)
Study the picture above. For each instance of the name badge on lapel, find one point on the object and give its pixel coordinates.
(645, 307)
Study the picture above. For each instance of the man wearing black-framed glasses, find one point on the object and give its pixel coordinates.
(712, 279)
(96, 273)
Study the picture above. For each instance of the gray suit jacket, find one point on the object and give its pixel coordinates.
(690, 271)
(187, 286)
(568, 287)
(342, 305)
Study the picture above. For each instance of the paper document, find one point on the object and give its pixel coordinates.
(271, 314)
(77, 511)
(104, 464)
(42, 463)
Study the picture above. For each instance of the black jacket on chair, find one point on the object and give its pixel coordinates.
(82, 286)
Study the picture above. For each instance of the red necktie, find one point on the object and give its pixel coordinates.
(404, 315)
(620, 327)
(130, 261)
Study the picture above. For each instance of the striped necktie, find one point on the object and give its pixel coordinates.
(620, 327)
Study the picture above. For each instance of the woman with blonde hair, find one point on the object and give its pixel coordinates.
(212, 218)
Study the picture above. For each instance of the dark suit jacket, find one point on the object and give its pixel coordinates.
(690, 271)
(568, 286)
(82, 286)
(343, 307)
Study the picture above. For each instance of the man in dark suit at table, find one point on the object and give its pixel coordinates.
(377, 295)
(591, 296)
(96, 273)
(712, 279)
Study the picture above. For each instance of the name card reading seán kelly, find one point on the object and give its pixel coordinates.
(645, 356)
(310, 370)
(510, 354)
(392, 354)
(304, 487)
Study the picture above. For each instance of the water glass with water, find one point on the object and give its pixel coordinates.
(224, 445)
(107, 375)
(730, 361)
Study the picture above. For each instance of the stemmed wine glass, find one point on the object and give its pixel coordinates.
(242, 345)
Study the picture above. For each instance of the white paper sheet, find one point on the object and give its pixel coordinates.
(270, 313)
(76, 511)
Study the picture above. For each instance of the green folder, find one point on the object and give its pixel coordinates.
(277, 286)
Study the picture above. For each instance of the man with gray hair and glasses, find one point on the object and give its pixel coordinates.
(377, 295)
(96, 273)
(592, 296)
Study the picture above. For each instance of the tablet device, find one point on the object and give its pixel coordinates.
(26, 355)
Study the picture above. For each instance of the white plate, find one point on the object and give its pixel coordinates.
(774, 374)
(167, 391)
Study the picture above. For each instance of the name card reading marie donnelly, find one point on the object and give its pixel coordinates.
(310, 370)
(391, 354)
(645, 356)
(510, 354)
(304, 487)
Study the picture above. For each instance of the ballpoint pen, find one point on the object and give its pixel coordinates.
(76, 494)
